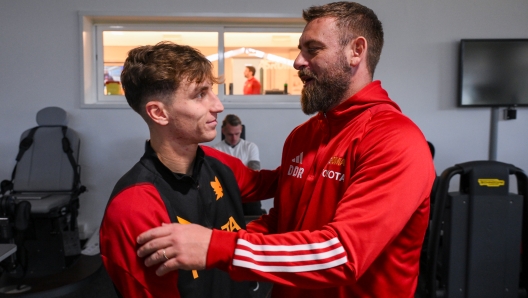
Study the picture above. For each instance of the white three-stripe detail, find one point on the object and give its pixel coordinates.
(310, 246)
(301, 268)
(307, 253)
(308, 257)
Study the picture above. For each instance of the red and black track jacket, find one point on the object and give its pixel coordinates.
(150, 194)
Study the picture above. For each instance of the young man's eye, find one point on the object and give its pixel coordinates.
(201, 94)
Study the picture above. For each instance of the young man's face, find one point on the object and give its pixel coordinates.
(232, 134)
(193, 113)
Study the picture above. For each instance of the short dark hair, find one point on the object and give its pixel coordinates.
(353, 20)
(232, 120)
(252, 69)
(158, 70)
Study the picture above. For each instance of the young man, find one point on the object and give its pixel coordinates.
(244, 150)
(176, 180)
(252, 85)
(352, 204)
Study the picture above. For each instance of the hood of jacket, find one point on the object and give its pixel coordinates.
(371, 95)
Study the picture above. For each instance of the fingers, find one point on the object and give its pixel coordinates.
(167, 266)
(153, 247)
(164, 230)
(155, 239)
(168, 261)
(160, 256)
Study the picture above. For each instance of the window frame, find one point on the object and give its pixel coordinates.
(93, 24)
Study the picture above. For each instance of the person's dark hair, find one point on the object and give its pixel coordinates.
(252, 69)
(156, 71)
(353, 20)
(232, 120)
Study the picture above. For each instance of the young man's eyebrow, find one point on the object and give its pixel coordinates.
(202, 87)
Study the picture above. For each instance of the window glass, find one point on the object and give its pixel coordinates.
(116, 45)
(270, 46)
(271, 54)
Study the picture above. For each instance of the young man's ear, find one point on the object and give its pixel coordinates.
(357, 51)
(156, 112)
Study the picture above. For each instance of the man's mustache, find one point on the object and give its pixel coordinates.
(306, 73)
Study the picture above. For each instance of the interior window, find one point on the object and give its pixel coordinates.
(270, 49)
(270, 53)
(116, 45)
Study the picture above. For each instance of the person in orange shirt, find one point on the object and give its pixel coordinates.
(252, 85)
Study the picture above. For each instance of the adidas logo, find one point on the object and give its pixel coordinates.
(298, 158)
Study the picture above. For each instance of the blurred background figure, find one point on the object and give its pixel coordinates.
(234, 144)
(252, 85)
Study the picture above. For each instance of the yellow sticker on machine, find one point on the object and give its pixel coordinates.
(491, 182)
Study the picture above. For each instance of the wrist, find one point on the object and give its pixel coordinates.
(221, 249)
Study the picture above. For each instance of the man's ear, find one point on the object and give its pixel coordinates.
(156, 111)
(358, 51)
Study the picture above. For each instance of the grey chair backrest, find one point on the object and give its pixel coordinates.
(44, 166)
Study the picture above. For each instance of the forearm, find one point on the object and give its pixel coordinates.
(266, 224)
(254, 165)
(301, 259)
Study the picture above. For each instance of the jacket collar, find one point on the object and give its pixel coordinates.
(371, 95)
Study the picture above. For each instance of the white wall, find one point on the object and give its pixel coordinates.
(40, 66)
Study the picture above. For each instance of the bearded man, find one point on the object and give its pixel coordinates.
(352, 204)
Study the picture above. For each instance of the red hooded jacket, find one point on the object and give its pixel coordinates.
(351, 208)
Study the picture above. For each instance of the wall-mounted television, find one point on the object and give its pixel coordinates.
(493, 73)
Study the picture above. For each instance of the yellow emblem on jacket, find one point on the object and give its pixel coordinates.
(217, 187)
(186, 222)
(231, 225)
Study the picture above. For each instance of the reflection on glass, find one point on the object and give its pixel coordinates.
(272, 56)
(116, 45)
(112, 80)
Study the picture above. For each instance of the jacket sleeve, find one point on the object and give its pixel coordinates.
(266, 224)
(130, 213)
(254, 185)
(385, 207)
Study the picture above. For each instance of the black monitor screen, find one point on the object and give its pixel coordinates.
(493, 72)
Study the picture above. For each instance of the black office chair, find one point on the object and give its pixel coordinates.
(478, 234)
(431, 148)
(423, 254)
(47, 177)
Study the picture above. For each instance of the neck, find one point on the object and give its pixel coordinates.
(176, 157)
(233, 146)
(356, 85)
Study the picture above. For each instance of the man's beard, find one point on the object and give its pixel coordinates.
(327, 89)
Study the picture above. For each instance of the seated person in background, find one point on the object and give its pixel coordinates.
(252, 85)
(244, 150)
(176, 180)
